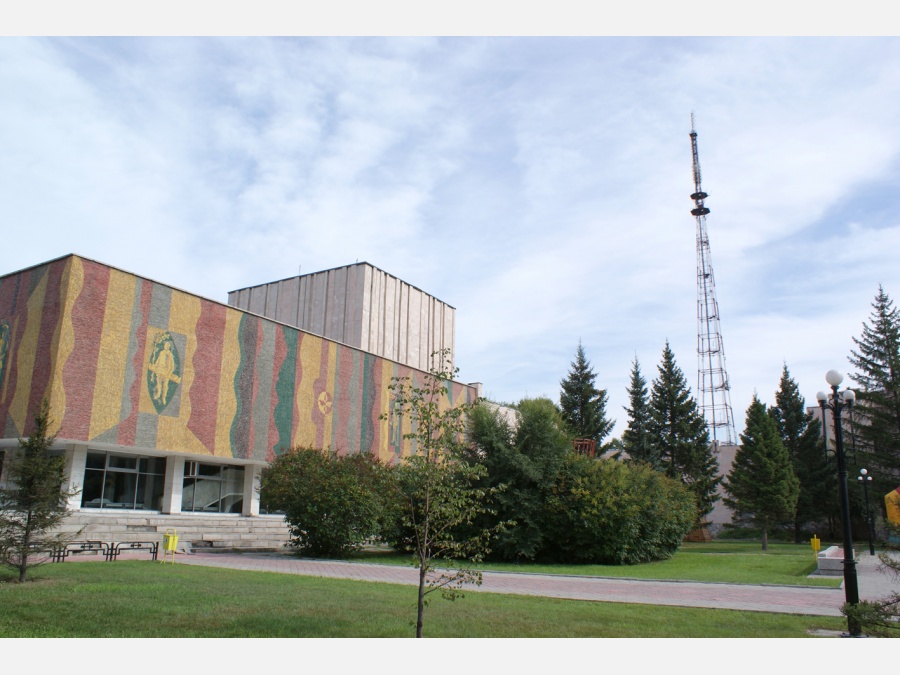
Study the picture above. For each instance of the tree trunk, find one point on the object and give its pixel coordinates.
(23, 554)
(421, 606)
(765, 539)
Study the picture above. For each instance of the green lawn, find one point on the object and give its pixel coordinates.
(146, 599)
(732, 562)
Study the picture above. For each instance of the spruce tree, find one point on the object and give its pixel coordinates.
(801, 435)
(761, 485)
(876, 432)
(636, 437)
(583, 406)
(35, 500)
(680, 435)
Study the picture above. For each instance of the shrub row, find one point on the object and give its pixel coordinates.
(565, 508)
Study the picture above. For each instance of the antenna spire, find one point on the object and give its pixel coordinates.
(711, 375)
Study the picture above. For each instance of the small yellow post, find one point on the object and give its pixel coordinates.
(170, 542)
(816, 544)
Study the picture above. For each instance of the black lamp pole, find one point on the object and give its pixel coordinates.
(840, 400)
(864, 478)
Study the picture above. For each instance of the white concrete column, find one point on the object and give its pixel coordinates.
(251, 490)
(76, 459)
(4, 466)
(171, 501)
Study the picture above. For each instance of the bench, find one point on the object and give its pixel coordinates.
(110, 551)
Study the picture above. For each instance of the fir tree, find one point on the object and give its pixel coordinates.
(801, 435)
(876, 432)
(583, 406)
(680, 435)
(35, 501)
(636, 437)
(761, 485)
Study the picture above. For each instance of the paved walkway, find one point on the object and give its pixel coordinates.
(815, 600)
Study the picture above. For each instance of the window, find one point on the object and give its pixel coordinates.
(212, 488)
(123, 482)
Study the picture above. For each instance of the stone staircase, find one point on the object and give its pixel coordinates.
(195, 532)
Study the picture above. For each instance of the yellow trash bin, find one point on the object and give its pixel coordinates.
(170, 543)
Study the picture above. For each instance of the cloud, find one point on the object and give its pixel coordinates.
(538, 185)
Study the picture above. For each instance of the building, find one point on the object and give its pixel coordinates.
(167, 405)
(361, 306)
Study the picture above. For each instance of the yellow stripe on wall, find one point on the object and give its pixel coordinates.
(173, 432)
(328, 422)
(13, 330)
(26, 354)
(64, 340)
(231, 359)
(385, 451)
(310, 358)
(113, 357)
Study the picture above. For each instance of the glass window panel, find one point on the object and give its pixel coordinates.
(96, 460)
(120, 462)
(187, 494)
(232, 489)
(92, 490)
(149, 492)
(207, 495)
(120, 490)
(154, 465)
(208, 470)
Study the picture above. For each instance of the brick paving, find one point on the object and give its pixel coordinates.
(813, 600)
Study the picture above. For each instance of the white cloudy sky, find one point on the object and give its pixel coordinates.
(539, 185)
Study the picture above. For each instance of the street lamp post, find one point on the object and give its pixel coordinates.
(864, 478)
(838, 401)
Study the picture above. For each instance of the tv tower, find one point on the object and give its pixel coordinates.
(715, 392)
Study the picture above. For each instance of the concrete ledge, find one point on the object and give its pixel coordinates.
(830, 561)
(215, 530)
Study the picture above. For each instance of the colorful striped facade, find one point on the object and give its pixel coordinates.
(134, 365)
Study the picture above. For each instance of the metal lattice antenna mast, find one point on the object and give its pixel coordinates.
(715, 392)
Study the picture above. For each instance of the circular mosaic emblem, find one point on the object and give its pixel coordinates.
(324, 403)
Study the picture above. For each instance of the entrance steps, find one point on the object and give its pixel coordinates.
(195, 532)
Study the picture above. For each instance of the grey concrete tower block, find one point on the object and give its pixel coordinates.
(361, 306)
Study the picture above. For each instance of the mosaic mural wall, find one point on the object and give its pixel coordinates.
(130, 362)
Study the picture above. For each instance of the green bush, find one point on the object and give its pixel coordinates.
(523, 464)
(616, 513)
(334, 504)
(568, 508)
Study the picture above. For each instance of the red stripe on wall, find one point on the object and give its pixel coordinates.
(80, 371)
(13, 310)
(347, 406)
(380, 394)
(207, 364)
(50, 315)
(280, 353)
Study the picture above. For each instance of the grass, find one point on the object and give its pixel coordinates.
(145, 599)
(731, 562)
